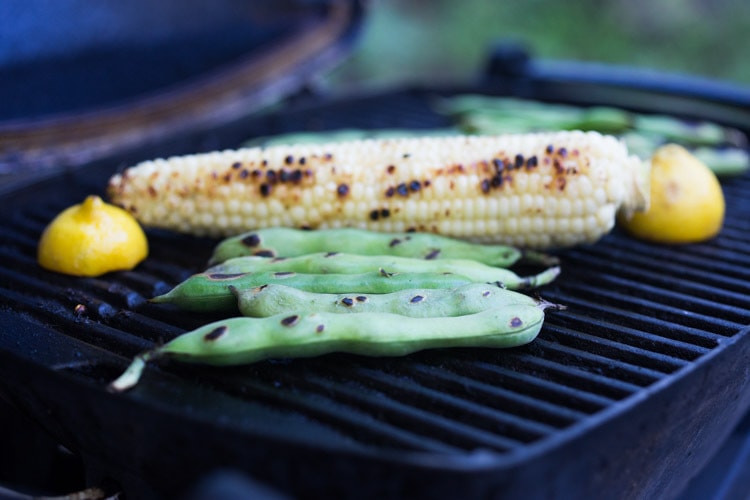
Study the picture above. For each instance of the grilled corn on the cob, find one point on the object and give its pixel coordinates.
(531, 190)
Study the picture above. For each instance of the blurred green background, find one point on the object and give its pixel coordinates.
(412, 41)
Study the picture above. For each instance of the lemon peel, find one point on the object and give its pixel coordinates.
(92, 238)
(687, 202)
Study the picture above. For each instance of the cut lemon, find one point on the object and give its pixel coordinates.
(687, 202)
(91, 239)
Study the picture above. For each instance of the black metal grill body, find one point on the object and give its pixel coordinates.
(626, 394)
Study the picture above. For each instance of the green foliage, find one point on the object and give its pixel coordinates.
(422, 40)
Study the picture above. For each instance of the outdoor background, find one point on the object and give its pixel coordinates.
(428, 40)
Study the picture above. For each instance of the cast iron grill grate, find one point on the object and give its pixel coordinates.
(637, 313)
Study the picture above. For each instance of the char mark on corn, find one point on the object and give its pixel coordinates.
(531, 190)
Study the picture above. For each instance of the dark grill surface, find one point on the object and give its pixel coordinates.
(638, 315)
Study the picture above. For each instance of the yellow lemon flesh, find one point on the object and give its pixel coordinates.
(91, 239)
(687, 203)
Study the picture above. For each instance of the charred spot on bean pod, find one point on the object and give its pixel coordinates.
(290, 320)
(361, 298)
(320, 328)
(486, 293)
(342, 190)
(278, 259)
(394, 242)
(347, 301)
(433, 254)
(264, 253)
(216, 333)
(331, 254)
(251, 240)
(416, 298)
(283, 274)
(224, 276)
(516, 322)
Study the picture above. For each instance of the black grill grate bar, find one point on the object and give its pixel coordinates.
(693, 339)
(517, 375)
(685, 264)
(412, 392)
(731, 316)
(676, 307)
(635, 346)
(733, 232)
(534, 362)
(359, 426)
(493, 395)
(644, 270)
(596, 363)
(731, 245)
(98, 296)
(60, 316)
(637, 365)
(689, 325)
(356, 398)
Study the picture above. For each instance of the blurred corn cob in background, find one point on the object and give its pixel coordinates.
(541, 190)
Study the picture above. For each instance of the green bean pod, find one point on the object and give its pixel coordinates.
(244, 340)
(211, 292)
(289, 242)
(269, 300)
(345, 263)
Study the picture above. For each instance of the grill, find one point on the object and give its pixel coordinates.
(626, 394)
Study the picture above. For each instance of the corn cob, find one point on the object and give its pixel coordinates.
(530, 190)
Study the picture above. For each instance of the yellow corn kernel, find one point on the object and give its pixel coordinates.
(532, 190)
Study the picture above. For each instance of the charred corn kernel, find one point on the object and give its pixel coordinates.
(530, 190)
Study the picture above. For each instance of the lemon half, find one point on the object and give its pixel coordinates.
(687, 202)
(91, 239)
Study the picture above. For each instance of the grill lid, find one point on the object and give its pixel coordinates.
(81, 82)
